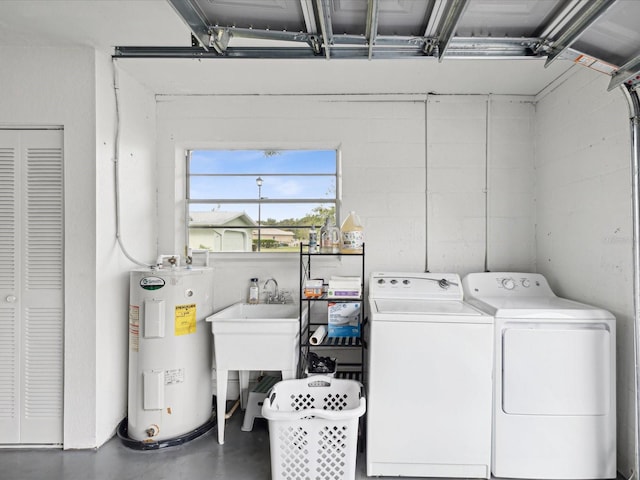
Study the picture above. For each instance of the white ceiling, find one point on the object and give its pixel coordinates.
(104, 24)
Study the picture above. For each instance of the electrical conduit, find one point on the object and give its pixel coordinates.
(116, 168)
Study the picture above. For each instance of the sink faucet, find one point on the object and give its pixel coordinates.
(271, 297)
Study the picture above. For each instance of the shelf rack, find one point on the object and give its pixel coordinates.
(354, 370)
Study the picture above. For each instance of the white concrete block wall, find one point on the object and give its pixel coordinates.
(138, 219)
(456, 161)
(583, 215)
(389, 149)
(480, 183)
(383, 180)
(381, 145)
(79, 97)
(69, 101)
(511, 202)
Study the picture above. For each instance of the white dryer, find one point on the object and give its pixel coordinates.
(429, 385)
(554, 398)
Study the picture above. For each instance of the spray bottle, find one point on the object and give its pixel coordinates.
(313, 240)
(254, 291)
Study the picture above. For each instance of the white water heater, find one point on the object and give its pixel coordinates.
(170, 391)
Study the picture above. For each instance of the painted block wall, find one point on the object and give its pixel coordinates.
(390, 147)
(510, 184)
(388, 153)
(67, 100)
(381, 145)
(72, 88)
(480, 183)
(583, 215)
(456, 169)
(137, 196)
(381, 148)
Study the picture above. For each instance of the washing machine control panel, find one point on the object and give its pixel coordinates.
(394, 281)
(446, 286)
(506, 284)
(509, 283)
(518, 282)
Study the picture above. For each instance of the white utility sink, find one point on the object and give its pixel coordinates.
(261, 312)
(253, 337)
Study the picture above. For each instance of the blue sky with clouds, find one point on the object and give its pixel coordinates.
(283, 177)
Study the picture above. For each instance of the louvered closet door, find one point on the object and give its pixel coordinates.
(31, 286)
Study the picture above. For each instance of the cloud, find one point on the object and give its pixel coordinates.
(287, 187)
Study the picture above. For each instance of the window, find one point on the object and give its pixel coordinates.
(258, 200)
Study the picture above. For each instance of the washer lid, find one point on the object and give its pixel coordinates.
(538, 308)
(423, 307)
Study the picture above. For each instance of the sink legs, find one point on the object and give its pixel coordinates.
(221, 401)
(243, 375)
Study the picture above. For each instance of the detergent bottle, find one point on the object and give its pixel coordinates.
(351, 234)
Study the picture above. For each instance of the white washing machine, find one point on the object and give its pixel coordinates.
(555, 398)
(429, 385)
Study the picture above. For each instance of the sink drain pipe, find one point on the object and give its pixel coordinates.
(634, 110)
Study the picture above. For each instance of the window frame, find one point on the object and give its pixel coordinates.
(335, 201)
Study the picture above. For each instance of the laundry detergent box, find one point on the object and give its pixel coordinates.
(344, 319)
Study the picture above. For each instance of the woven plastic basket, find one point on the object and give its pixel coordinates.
(313, 428)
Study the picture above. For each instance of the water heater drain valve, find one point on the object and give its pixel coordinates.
(153, 430)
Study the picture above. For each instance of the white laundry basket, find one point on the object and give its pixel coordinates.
(313, 428)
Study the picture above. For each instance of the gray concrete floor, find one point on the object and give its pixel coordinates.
(244, 456)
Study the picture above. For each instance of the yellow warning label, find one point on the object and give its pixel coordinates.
(185, 320)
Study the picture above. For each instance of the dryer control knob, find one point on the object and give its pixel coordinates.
(508, 283)
(526, 283)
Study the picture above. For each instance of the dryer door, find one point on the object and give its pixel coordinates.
(556, 369)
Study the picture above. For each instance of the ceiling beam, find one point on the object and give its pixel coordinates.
(324, 12)
(263, 53)
(435, 16)
(314, 40)
(372, 25)
(386, 47)
(447, 28)
(576, 26)
(626, 73)
(492, 47)
(565, 12)
(275, 35)
(194, 21)
(309, 16)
